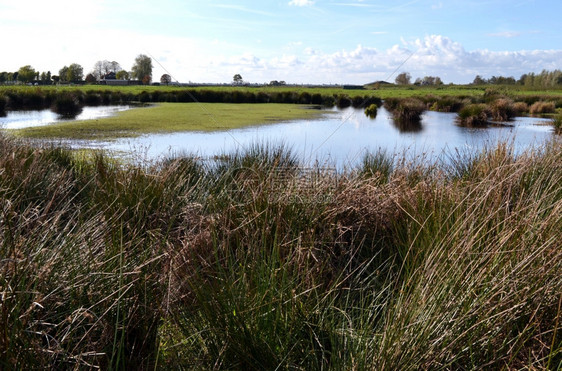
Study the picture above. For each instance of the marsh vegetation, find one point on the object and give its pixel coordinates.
(257, 261)
(254, 262)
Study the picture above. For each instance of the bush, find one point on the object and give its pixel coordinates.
(473, 115)
(542, 107)
(447, 104)
(343, 101)
(407, 110)
(501, 109)
(520, 108)
(67, 105)
(371, 111)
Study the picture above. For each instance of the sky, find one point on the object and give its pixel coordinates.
(297, 41)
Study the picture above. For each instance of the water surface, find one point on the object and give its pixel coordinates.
(339, 138)
(26, 119)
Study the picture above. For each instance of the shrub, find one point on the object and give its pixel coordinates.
(343, 101)
(92, 98)
(501, 109)
(447, 104)
(371, 111)
(408, 110)
(473, 115)
(67, 105)
(520, 108)
(542, 107)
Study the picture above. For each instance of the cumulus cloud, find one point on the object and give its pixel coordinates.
(433, 55)
(301, 2)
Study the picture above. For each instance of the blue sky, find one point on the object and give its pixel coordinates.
(299, 41)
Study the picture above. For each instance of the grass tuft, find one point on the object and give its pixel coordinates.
(253, 262)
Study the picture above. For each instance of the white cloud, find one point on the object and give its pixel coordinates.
(434, 55)
(301, 2)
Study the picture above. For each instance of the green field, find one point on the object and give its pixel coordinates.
(173, 117)
(382, 91)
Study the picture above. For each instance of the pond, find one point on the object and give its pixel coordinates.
(339, 138)
(342, 138)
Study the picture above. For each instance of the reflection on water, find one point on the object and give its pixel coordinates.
(336, 139)
(406, 126)
(342, 139)
(25, 119)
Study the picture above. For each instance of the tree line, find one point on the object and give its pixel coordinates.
(74, 73)
(544, 79)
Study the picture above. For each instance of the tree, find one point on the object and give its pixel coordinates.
(478, 80)
(403, 79)
(75, 72)
(90, 78)
(72, 73)
(26, 74)
(102, 68)
(237, 79)
(122, 75)
(142, 68)
(63, 74)
(166, 79)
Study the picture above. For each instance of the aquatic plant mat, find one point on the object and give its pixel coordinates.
(253, 262)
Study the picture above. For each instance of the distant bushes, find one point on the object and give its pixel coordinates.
(38, 98)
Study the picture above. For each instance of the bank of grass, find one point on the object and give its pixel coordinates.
(174, 117)
(253, 262)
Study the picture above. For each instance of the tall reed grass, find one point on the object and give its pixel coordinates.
(253, 262)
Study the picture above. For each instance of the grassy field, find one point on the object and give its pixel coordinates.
(382, 91)
(173, 117)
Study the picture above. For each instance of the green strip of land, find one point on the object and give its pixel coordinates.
(173, 117)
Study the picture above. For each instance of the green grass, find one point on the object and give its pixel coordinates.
(173, 117)
(253, 262)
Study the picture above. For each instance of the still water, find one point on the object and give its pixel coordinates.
(26, 119)
(342, 137)
(338, 138)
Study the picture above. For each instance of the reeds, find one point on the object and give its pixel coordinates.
(473, 115)
(542, 107)
(253, 262)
